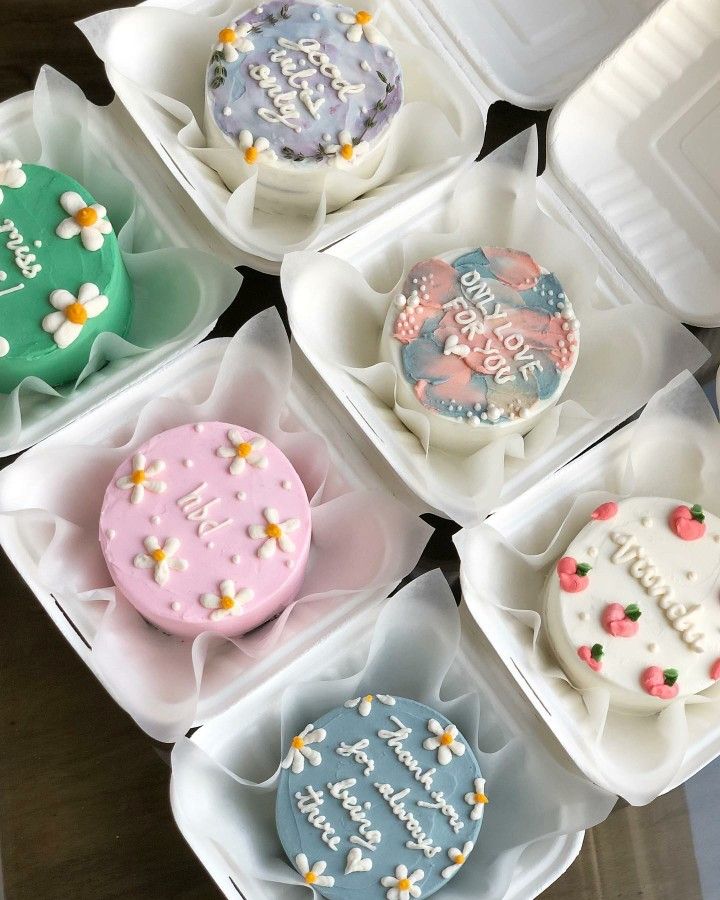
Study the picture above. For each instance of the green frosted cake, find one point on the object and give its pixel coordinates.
(62, 278)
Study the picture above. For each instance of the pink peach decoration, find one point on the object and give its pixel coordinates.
(573, 575)
(619, 621)
(605, 511)
(715, 670)
(688, 522)
(660, 683)
(592, 656)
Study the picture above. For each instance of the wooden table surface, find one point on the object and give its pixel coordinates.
(84, 809)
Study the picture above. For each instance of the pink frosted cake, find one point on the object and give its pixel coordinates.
(206, 528)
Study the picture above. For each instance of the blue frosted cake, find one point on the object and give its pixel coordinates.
(304, 91)
(382, 798)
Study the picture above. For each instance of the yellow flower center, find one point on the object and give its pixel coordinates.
(251, 155)
(76, 313)
(297, 742)
(311, 878)
(227, 36)
(243, 450)
(446, 739)
(368, 698)
(158, 555)
(459, 859)
(273, 531)
(227, 602)
(138, 476)
(481, 798)
(404, 884)
(363, 17)
(347, 151)
(86, 217)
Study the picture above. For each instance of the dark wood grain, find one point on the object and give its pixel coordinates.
(84, 809)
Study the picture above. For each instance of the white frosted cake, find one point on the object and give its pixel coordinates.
(304, 94)
(634, 605)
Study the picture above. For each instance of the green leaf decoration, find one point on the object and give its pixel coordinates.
(285, 12)
(382, 77)
(670, 676)
(697, 513)
(257, 28)
(583, 569)
(633, 612)
(597, 652)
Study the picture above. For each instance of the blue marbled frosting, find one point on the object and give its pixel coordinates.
(455, 779)
(364, 115)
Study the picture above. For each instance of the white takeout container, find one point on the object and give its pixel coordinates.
(529, 523)
(638, 188)
(227, 741)
(188, 379)
(114, 132)
(531, 55)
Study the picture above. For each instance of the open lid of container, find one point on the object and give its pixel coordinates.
(530, 52)
(632, 154)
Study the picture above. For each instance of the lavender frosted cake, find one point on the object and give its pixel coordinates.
(305, 92)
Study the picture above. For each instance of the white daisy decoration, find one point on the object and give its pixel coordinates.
(300, 750)
(274, 534)
(360, 26)
(142, 478)
(11, 175)
(411, 302)
(89, 222)
(314, 875)
(243, 452)
(477, 799)
(229, 602)
(457, 857)
(364, 704)
(161, 559)
(346, 151)
(232, 40)
(403, 886)
(255, 149)
(443, 741)
(66, 324)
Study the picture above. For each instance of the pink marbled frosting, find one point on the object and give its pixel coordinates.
(222, 537)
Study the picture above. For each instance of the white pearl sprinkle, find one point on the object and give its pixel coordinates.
(716, 538)
(290, 563)
(211, 545)
(646, 521)
(653, 648)
(236, 559)
(227, 111)
(390, 54)
(110, 534)
(583, 616)
(241, 495)
(692, 576)
(327, 137)
(155, 520)
(176, 606)
(286, 485)
(188, 463)
(316, 16)
(592, 552)
(38, 244)
(3, 276)
(199, 428)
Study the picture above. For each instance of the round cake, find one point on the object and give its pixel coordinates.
(634, 605)
(206, 528)
(62, 277)
(382, 798)
(483, 342)
(301, 90)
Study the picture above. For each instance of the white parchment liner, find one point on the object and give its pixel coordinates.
(674, 451)
(531, 796)
(162, 55)
(626, 352)
(179, 293)
(362, 541)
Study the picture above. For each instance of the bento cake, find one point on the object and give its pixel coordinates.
(634, 604)
(483, 342)
(381, 798)
(300, 90)
(62, 276)
(206, 527)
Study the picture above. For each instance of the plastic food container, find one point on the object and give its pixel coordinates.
(633, 180)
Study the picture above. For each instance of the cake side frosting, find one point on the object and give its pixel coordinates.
(303, 84)
(207, 527)
(381, 798)
(634, 604)
(484, 341)
(62, 278)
